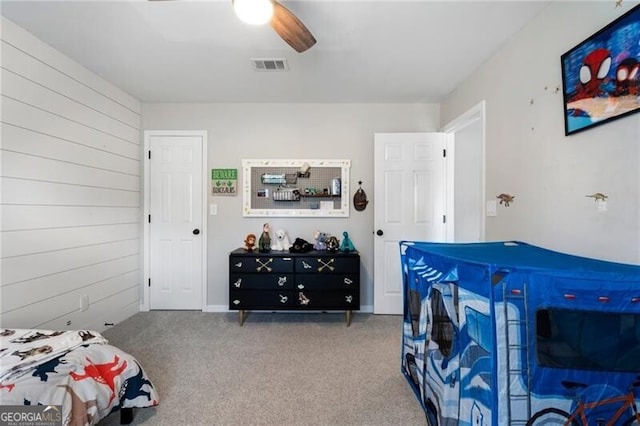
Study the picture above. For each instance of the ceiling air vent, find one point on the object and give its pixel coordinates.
(260, 64)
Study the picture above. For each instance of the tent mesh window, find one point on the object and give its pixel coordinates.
(442, 332)
(413, 310)
(589, 340)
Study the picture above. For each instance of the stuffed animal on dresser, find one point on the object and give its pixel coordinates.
(250, 242)
(301, 246)
(333, 245)
(281, 241)
(320, 240)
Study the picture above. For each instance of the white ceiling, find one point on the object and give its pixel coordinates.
(198, 51)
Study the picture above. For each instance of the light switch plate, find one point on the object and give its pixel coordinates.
(492, 208)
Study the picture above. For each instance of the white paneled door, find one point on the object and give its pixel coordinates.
(176, 237)
(409, 205)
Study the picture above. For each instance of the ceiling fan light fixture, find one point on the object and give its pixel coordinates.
(254, 12)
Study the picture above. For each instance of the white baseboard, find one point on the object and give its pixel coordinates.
(216, 308)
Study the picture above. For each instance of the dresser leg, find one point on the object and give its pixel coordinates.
(242, 316)
(348, 314)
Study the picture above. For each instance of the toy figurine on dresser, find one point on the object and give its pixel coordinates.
(346, 246)
(264, 243)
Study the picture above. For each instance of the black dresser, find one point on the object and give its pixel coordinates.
(280, 280)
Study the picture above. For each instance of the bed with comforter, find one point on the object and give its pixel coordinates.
(77, 370)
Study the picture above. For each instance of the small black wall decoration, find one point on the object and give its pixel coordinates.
(360, 198)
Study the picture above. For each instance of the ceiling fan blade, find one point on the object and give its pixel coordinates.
(291, 29)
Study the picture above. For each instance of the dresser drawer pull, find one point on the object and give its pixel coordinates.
(304, 300)
(264, 264)
(236, 302)
(300, 286)
(326, 264)
(348, 281)
(305, 265)
(237, 283)
(238, 265)
(348, 298)
(283, 299)
(282, 281)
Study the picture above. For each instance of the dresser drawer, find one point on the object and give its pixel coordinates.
(324, 300)
(257, 299)
(276, 281)
(326, 282)
(261, 264)
(327, 265)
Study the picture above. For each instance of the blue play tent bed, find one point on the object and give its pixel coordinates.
(506, 333)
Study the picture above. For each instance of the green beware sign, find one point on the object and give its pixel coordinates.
(224, 181)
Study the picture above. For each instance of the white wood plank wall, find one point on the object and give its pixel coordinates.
(69, 189)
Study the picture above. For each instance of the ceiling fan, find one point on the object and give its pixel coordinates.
(291, 29)
(282, 20)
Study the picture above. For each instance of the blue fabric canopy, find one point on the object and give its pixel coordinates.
(498, 330)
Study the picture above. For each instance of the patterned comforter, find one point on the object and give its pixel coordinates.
(77, 370)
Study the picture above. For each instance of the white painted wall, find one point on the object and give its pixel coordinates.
(238, 131)
(529, 156)
(70, 198)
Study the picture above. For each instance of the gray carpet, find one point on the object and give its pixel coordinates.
(278, 369)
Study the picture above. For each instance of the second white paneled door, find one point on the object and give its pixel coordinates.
(409, 205)
(176, 238)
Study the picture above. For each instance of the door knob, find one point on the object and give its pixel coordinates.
(196, 231)
(379, 232)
